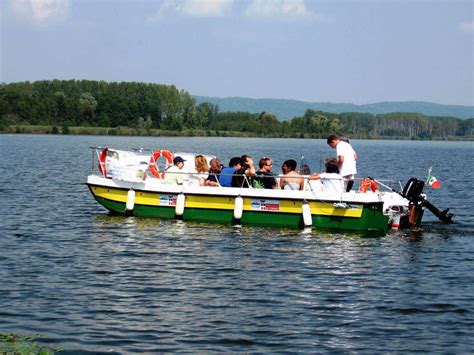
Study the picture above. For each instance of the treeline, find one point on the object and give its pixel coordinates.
(150, 107)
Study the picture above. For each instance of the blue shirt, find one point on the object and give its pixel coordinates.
(225, 177)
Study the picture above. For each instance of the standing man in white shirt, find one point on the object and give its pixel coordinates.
(346, 160)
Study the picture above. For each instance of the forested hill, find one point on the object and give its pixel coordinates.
(286, 109)
(155, 109)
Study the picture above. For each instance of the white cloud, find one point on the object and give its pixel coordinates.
(466, 26)
(41, 11)
(270, 9)
(281, 9)
(207, 8)
(193, 8)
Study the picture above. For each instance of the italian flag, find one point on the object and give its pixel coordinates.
(434, 183)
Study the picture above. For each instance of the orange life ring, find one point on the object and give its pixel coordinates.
(154, 157)
(366, 183)
(102, 158)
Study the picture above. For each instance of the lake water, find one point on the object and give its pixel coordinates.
(89, 281)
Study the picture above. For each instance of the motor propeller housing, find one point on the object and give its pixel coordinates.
(413, 191)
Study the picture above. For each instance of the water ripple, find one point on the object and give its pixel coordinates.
(92, 282)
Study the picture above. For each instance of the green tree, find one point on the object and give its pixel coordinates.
(148, 124)
(140, 123)
(88, 105)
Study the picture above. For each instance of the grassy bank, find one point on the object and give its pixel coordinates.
(24, 344)
(120, 131)
(127, 131)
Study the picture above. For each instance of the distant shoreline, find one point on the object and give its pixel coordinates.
(134, 132)
(286, 109)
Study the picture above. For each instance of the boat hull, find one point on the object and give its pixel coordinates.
(258, 210)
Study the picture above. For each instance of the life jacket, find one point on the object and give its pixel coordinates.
(367, 183)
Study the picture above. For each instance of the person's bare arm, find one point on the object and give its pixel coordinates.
(340, 160)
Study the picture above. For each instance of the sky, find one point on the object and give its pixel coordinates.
(341, 51)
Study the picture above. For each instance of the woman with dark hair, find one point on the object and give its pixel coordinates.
(291, 180)
(243, 176)
(331, 180)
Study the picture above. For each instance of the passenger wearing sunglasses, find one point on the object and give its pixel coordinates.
(264, 178)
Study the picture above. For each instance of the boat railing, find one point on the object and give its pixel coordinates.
(136, 167)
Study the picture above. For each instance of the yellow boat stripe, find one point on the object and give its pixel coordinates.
(227, 203)
(119, 195)
(147, 198)
(110, 193)
(214, 202)
(328, 209)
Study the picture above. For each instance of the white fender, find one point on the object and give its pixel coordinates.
(307, 218)
(130, 200)
(179, 210)
(395, 221)
(238, 207)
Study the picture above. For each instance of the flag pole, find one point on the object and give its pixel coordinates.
(429, 175)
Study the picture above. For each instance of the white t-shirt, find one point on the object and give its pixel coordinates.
(349, 164)
(173, 178)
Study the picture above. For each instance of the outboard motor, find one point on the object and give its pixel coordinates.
(413, 192)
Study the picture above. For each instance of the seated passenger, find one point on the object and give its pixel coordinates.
(331, 180)
(291, 180)
(226, 174)
(215, 170)
(201, 172)
(243, 177)
(173, 175)
(264, 178)
(305, 170)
